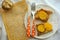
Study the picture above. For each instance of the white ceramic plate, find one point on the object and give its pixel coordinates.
(53, 20)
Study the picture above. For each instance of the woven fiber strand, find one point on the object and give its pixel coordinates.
(13, 21)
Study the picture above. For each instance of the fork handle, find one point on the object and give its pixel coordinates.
(28, 27)
(33, 29)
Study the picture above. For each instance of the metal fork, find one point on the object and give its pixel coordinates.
(33, 24)
(33, 9)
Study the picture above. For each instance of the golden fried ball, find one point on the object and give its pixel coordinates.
(48, 26)
(41, 28)
(43, 15)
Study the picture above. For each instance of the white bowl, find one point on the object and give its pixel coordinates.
(53, 20)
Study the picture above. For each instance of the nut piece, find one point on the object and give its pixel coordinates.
(6, 4)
